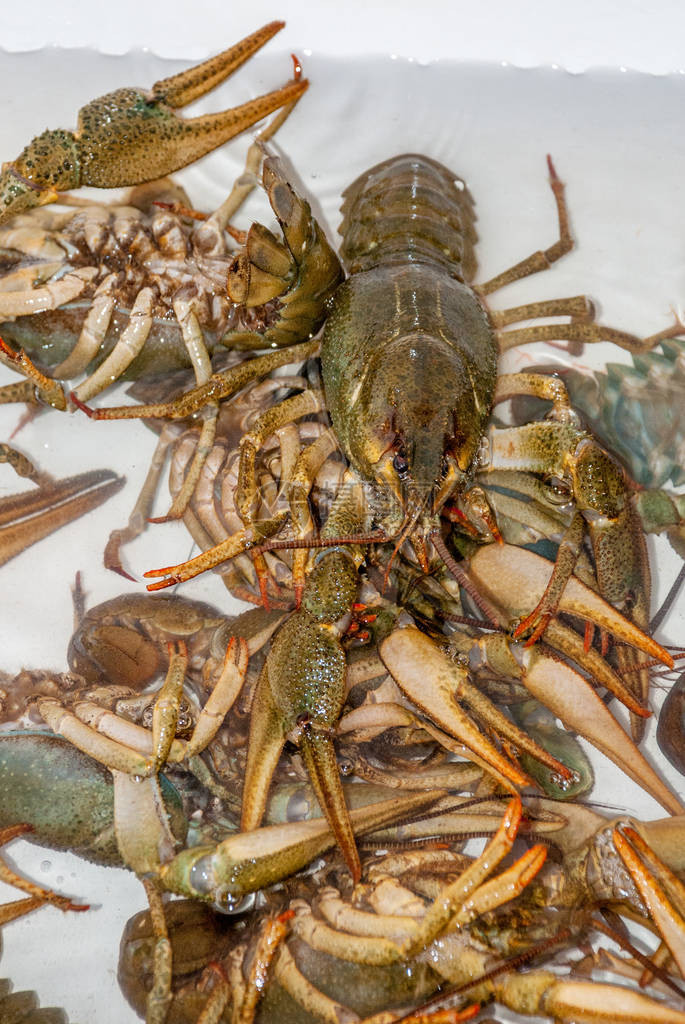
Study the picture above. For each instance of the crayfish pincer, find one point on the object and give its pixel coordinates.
(129, 136)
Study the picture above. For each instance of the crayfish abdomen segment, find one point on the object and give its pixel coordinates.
(409, 208)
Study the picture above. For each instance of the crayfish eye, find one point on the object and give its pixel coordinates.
(400, 464)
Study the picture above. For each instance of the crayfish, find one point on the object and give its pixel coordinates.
(430, 490)
(408, 358)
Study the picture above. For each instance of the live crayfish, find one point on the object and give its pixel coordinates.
(572, 830)
(412, 447)
(345, 951)
(306, 971)
(108, 647)
(340, 962)
(209, 518)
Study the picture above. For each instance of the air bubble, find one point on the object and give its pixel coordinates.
(565, 784)
(228, 903)
(202, 876)
(482, 459)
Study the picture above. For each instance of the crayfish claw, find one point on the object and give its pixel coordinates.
(303, 271)
(130, 136)
(189, 85)
(28, 517)
(661, 890)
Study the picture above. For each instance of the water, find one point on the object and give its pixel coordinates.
(616, 143)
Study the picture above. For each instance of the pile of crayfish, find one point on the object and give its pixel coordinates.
(443, 597)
